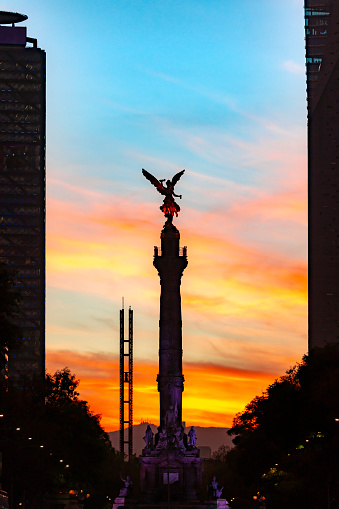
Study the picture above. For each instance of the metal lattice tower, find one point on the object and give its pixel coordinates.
(126, 382)
(22, 186)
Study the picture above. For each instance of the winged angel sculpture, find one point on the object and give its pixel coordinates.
(169, 207)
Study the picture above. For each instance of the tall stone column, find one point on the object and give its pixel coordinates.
(171, 468)
(170, 264)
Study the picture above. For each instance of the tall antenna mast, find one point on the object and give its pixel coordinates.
(126, 381)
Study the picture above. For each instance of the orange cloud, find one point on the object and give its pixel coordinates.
(212, 396)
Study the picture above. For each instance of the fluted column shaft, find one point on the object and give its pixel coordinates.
(170, 265)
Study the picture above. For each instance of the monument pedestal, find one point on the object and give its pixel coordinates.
(210, 504)
(222, 503)
(170, 475)
(118, 502)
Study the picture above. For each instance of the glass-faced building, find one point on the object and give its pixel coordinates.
(22, 186)
(322, 53)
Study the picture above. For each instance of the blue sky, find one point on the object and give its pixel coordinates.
(123, 73)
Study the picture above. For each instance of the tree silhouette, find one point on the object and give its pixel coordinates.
(287, 439)
(60, 445)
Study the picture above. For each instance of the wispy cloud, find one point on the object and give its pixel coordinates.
(231, 102)
(294, 67)
(218, 97)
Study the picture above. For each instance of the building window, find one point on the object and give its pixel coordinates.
(313, 60)
(316, 12)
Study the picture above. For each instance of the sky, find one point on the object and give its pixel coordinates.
(215, 87)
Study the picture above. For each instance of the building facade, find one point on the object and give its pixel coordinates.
(322, 53)
(22, 186)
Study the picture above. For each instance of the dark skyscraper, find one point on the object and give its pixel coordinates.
(322, 52)
(22, 185)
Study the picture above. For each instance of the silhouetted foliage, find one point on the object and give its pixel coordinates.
(287, 439)
(61, 387)
(76, 453)
(221, 453)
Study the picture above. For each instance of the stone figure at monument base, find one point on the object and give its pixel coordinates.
(125, 493)
(126, 490)
(149, 437)
(192, 436)
(215, 492)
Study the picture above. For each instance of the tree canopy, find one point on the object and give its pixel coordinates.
(53, 442)
(287, 439)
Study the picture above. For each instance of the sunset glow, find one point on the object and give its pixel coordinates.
(205, 403)
(166, 86)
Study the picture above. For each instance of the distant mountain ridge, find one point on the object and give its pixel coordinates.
(212, 437)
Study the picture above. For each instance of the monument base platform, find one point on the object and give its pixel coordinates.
(171, 475)
(211, 504)
(119, 502)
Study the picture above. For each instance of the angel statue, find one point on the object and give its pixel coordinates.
(169, 207)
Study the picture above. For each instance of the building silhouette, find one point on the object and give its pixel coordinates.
(322, 52)
(22, 186)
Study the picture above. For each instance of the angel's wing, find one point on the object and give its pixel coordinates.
(154, 181)
(177, 177)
